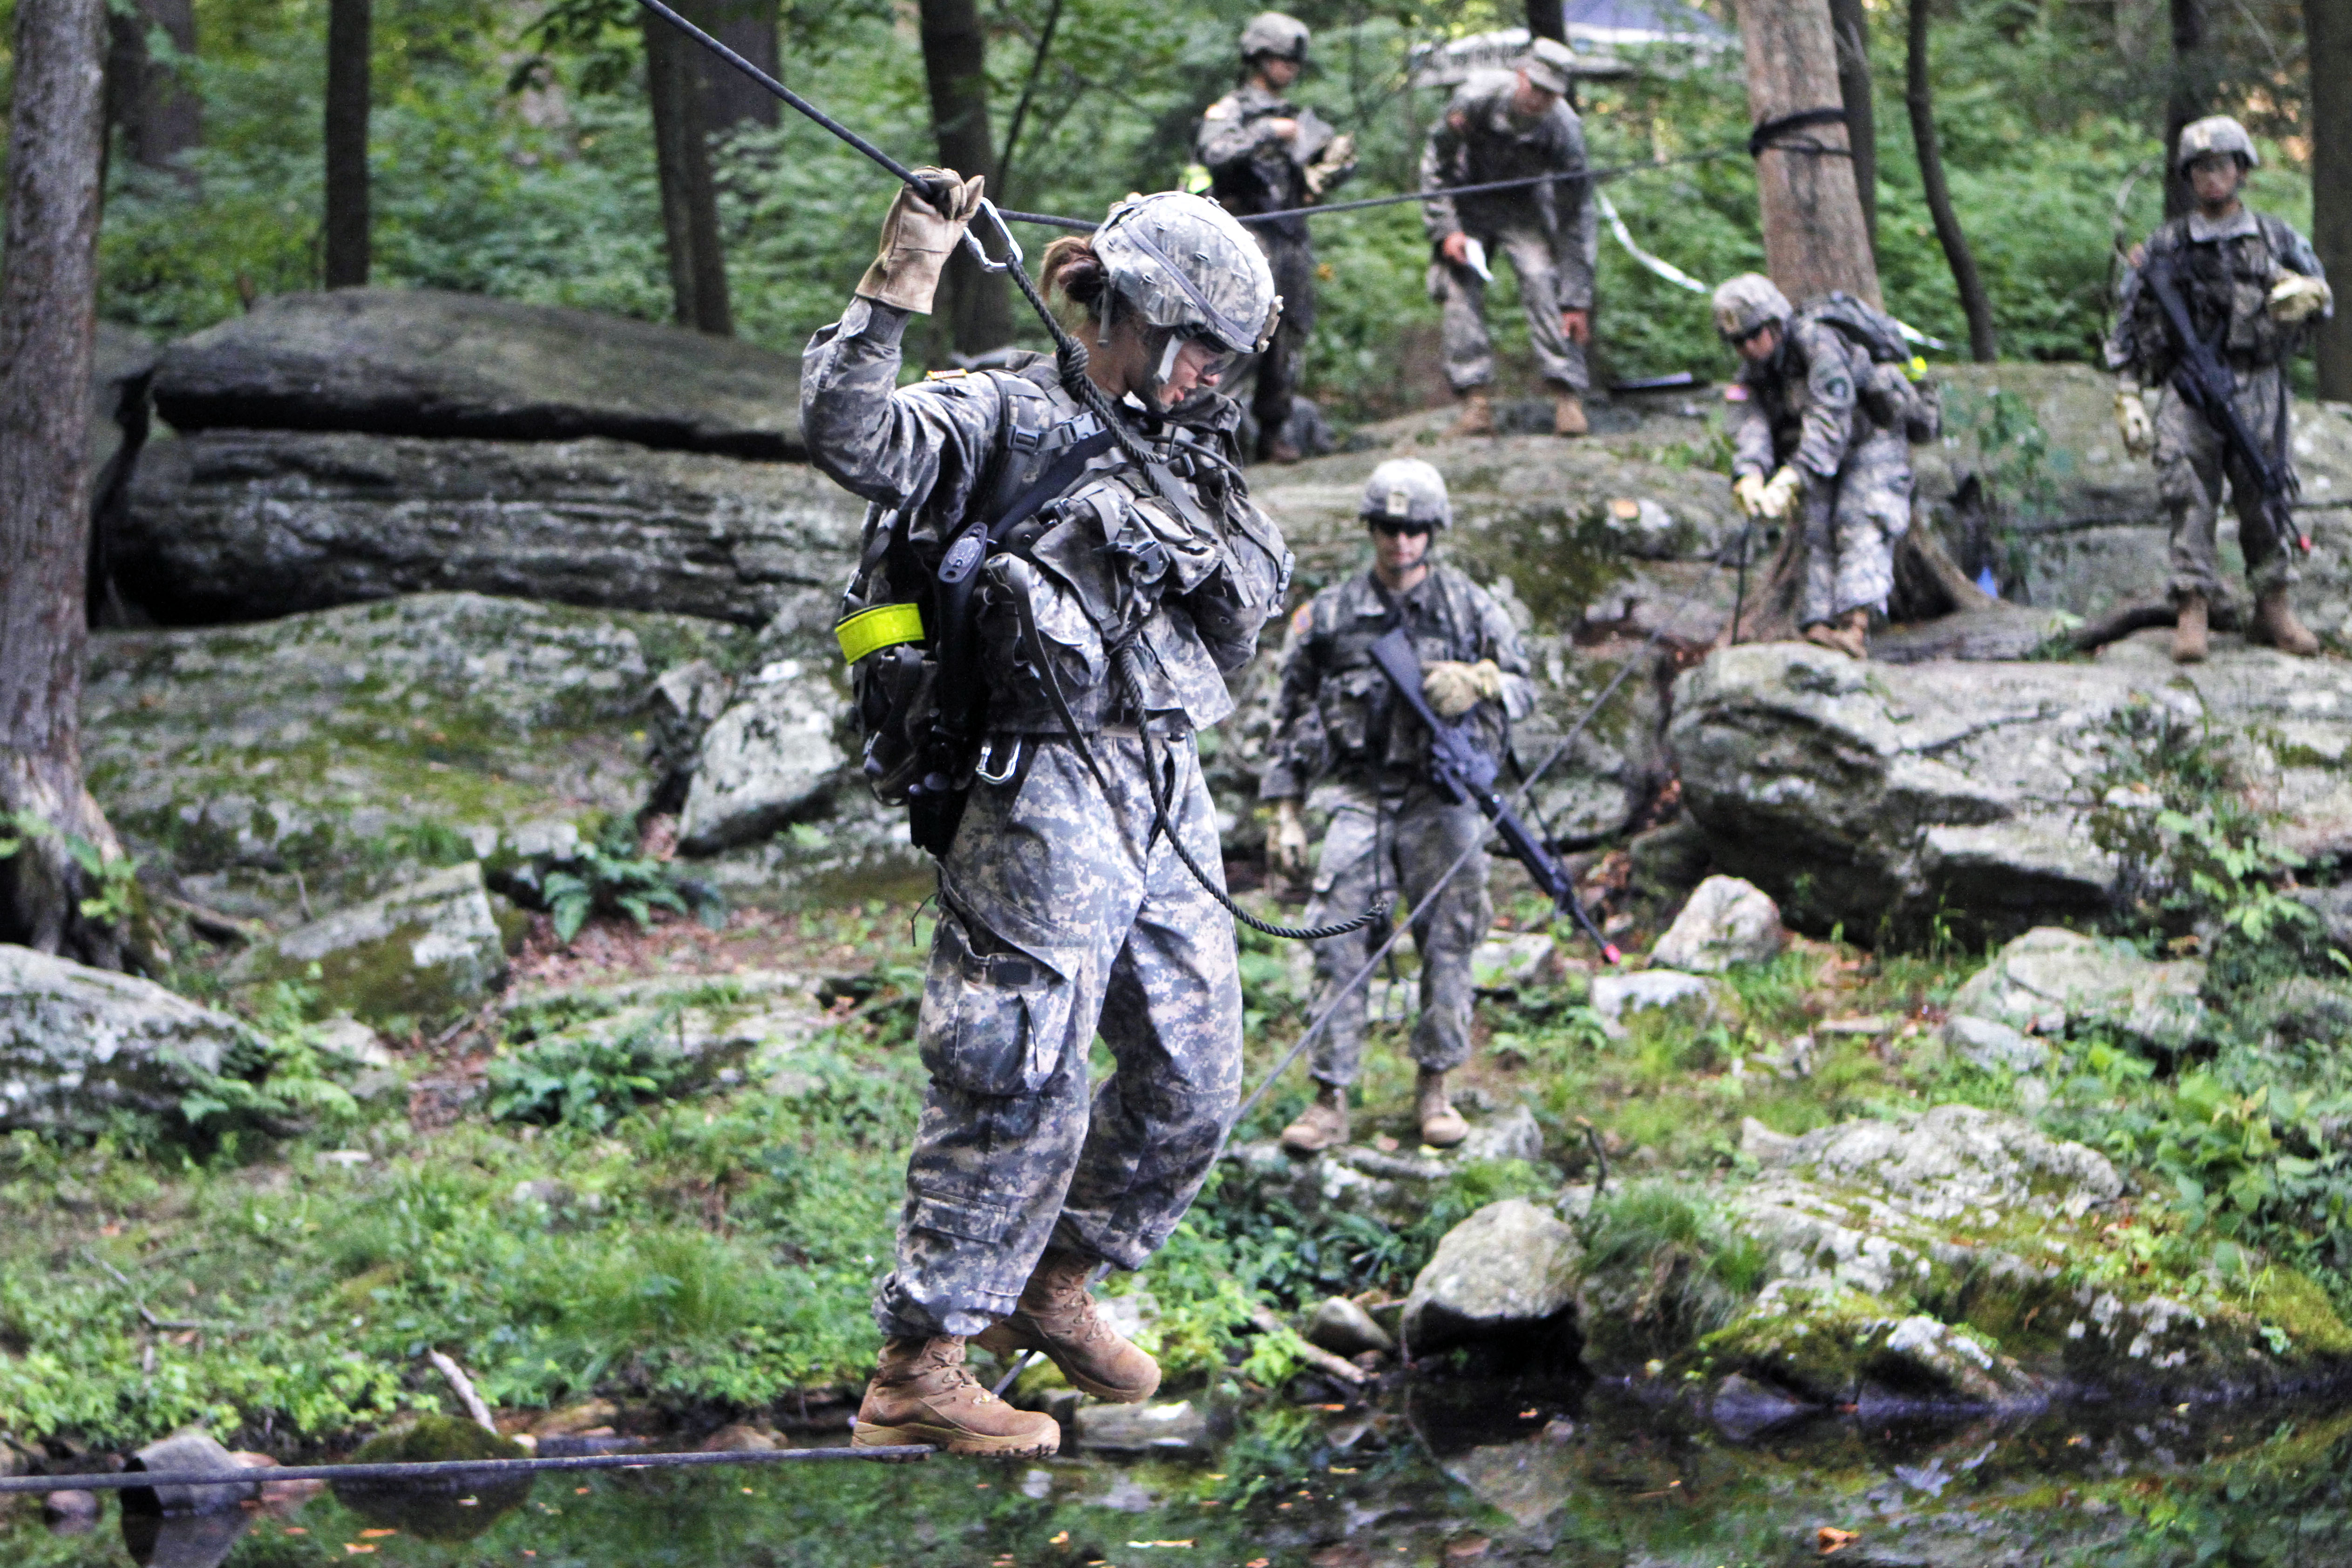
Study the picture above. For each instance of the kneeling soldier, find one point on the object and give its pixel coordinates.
(1338, 725)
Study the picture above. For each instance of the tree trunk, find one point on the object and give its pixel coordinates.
(1851, 24)
(161, 116)
(1548, 19)
(350, 31)
(955, 65)
(48, 291)
(690, 198)
(749, 28)
(1814, 240)
(1919, 96)
(2328, 32)
(2194, 73)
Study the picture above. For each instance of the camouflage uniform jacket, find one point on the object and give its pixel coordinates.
(1336, 713)
(1478, 140)
(2226, 272)
(1806, 404)
(1182, 565)
(1251, 169)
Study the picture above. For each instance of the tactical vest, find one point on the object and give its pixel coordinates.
(899, 613)
(2226, 284)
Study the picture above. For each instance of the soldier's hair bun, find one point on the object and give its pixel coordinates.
(1072, 266)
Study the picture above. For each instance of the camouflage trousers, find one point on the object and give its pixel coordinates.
(1398, 847)
(1462, 296)
(1851, 525)
(1056, 922)
(2191, 460)
(1275, 384)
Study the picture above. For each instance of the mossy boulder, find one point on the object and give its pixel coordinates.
(1508, 1270)
(423, 951)
(348, 748)
(2052, 982)
(455, 1509)
(78, 1044)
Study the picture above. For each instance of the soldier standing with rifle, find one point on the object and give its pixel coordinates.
(2217, 302)
(1339, 730)
(1264, 154)
(1509, 125)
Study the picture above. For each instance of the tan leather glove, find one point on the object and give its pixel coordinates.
(1454, 688)
(1748, 494)
(1285, 843)
(2132, 423)
(917, 241)
(1779, 497)
(2295, 297)
(1336, 163)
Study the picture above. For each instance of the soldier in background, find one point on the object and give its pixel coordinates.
(1831, 414)
(1265, 154)
(2252, 286)
(1507, 125)
(1339, 731)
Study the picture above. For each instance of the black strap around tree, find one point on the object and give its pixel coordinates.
(1768, 134)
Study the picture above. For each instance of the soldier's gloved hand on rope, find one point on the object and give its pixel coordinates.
(1777, 498)
(2138, 431)
(918, 239)
(2294, 296)
(1454, 688)
(1285, 842)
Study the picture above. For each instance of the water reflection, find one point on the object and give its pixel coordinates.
(1439, 1476)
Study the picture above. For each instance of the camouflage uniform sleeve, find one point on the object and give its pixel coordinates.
(1829, 400)
(1576, 244)
(926, 445)
(1440, 157)
(1499, 640)
(2122, 353)
(1228, 137)
(1295, 751)
(1751, 436)
(2297, 254)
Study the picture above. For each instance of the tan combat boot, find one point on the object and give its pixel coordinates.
(1567, 416)
(1055, 1315)
(1442, 1125)
(921, 1394)
(1477, 416)
(1853, 637)
(1322, 1125)
(2274, 623)
(2188, 630)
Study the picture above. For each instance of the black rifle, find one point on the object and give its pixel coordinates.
(2206, 385)
(1459, 765)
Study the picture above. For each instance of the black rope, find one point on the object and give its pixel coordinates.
(1767, 134)
(1322, 1021)
(488, 1470)
(1568, 177)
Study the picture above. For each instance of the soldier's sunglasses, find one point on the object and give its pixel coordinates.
(1396, 528)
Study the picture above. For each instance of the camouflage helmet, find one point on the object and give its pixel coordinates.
(1407, 489)
(1184, 265)
(2214, 133)
(1746, 303)
(1272, 33)
(1548, 64)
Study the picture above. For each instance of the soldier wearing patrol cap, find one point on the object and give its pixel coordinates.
(1340, 733)
(2252, 286)
(1509, 125)
(1265, 154)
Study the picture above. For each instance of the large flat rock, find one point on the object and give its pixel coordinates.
(1864, 793)
(344, 738)
(424, 361)
(233, 524)
(78, 1044)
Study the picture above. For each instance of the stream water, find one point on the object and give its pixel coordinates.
(1441, 1475)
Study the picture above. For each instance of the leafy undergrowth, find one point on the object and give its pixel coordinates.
(588, 1223)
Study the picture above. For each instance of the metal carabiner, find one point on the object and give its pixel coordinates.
(988, 754)
(979, 252)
